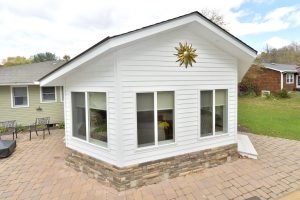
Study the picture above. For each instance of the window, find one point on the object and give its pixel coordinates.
(213, 112)
(155, 118)
(78, 115)
(97, 118)
(48, 94)
(289, 78)
(19, 97)
(92, 120)
(220, 111)
(62, 97)
(165, 117)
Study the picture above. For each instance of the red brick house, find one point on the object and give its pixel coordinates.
(273, 77)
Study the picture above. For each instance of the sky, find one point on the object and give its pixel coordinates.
(68, 27)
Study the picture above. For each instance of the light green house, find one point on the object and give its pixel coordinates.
(21, 97)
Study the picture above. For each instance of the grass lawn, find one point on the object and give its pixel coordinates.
(273, 117)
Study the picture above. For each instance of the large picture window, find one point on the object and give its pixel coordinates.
(213, 112)
(48, 94)
(206, 113)
(97, 118)
(78, 115)
(19, 97)
(155, 118)
(165, 117)
(89, 115)
(221, 111)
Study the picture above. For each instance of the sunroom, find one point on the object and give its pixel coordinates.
(134, 116)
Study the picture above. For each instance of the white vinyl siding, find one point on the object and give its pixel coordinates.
(96, 76)
(151, 66)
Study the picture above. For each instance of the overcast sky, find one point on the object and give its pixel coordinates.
(69, 26)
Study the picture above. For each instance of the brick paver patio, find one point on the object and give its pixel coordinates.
(37, 170)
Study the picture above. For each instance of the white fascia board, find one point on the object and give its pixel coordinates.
(228, 38)
(13, 84)
(274, 69)
(139, 34)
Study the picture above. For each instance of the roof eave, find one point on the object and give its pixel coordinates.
(117, 40)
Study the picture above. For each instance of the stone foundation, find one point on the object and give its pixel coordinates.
(138, 175)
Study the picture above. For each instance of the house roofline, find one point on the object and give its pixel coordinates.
(20, 83)
(281, 71)
(152, 25)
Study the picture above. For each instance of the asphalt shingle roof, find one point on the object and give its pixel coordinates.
(281, 67)
(28, 73)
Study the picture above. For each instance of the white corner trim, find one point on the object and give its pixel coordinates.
(281, 80)
(62, 93)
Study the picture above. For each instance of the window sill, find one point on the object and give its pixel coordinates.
(214, 136)
(155, 147)
(91, 144)
(48, 102)
(26, 106)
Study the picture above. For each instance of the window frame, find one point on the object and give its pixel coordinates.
(289, 78)
(213, 114)
(41, 95)
(156, 142)
(87, 115)
(62, 92)
(12, 96)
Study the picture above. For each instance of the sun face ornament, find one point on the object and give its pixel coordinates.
(186, 54)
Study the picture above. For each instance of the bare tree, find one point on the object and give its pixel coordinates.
(215, 16)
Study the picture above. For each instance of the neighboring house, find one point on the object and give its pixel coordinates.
(134, 117)
(274, 77)
(21, 97)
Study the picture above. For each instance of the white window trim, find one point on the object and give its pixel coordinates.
(12, 96)
(288, 77)
(214, 108)
(156, 145)
(41, 95)
(87, 116)
(297, 81)
(62, 92)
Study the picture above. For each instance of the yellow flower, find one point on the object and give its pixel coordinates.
(164, 125)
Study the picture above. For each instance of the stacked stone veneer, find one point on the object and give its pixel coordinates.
(150, 172)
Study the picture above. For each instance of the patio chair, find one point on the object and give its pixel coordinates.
(9, 126)
(42, 123)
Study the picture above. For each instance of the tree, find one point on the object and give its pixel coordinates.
(42, 57)
(18, 60)
(66, 58)
(215, 16)
(289, 54)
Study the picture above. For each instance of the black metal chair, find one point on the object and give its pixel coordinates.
(42, 123)
(9, 126)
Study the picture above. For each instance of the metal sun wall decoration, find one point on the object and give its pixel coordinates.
(186, 54)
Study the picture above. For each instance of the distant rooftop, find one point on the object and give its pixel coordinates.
(281, 67)
(27, 74)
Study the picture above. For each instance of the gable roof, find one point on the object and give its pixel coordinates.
(27, 74)
(281, 67)
(117, 40)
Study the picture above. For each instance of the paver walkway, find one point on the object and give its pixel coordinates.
(37, 170)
